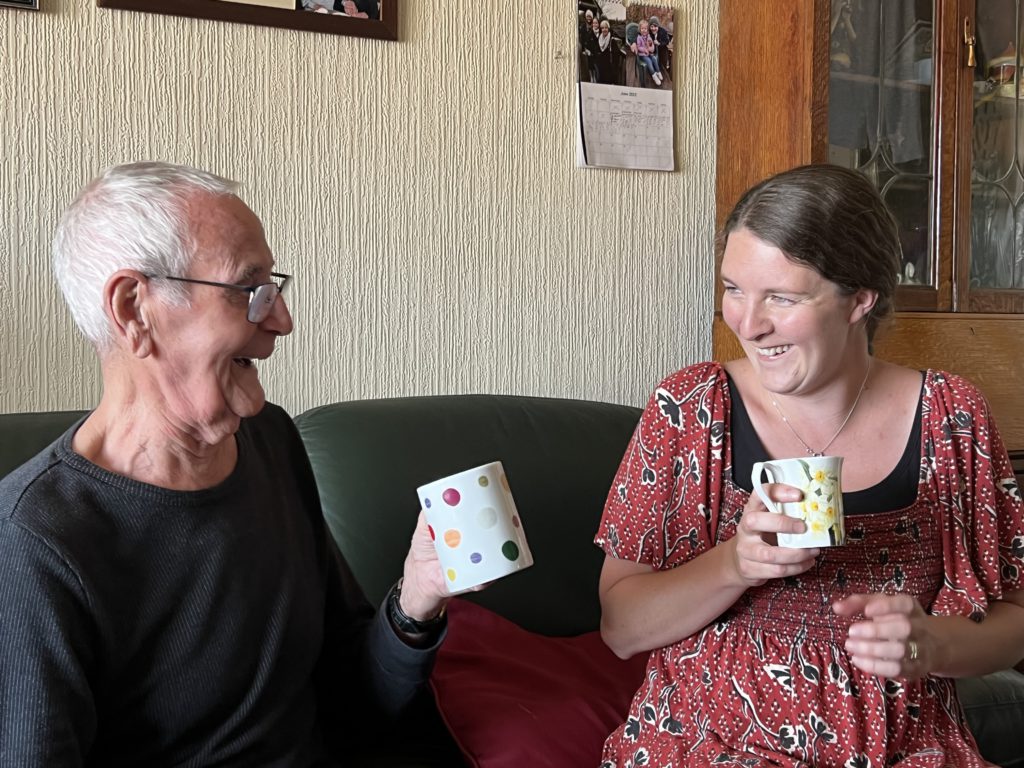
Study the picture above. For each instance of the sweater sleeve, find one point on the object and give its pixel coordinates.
(47, 712)
(367, 675)
(360, 646)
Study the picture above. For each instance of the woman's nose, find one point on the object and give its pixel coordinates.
(755, 322)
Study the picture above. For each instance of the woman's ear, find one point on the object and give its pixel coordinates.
(864, 301)
(125, 300)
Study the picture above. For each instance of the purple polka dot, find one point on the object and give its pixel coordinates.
(426, 503)
(476, 557)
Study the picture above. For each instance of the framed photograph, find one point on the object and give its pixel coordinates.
(359, 18)
(32, 5)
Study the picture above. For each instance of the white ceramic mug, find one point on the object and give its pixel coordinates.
(475, 526)
(821, 509)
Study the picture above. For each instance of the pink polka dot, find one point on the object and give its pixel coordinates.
(451, 497)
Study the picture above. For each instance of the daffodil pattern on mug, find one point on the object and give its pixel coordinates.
(820, 503)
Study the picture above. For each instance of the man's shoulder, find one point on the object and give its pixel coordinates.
(34, 477)
(272, 421)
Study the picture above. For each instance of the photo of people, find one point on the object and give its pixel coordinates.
(624, 45)
(625, 88)
(357, 9)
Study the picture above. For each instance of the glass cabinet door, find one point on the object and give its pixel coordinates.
(993, 274)
(880, 122)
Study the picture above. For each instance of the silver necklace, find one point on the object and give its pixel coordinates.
(811, 451)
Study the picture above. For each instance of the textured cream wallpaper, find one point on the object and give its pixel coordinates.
(424, 193)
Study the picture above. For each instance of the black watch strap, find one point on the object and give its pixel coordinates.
(405, 622)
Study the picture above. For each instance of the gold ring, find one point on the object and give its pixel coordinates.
(912, 647)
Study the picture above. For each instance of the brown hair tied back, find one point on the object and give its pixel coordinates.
(831, 219)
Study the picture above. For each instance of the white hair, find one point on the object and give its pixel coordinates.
(131, 216)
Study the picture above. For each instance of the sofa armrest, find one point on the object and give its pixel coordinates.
(994, 706)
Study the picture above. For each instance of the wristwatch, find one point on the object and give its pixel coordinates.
(405, 622)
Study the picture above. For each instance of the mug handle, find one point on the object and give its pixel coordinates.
(755, 479)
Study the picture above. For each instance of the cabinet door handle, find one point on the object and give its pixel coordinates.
(969, 41)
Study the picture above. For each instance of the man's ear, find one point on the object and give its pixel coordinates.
(126, 299)
(863, 302)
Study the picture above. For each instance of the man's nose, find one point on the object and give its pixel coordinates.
(279, 320)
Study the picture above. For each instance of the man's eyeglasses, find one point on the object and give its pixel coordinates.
(261, 297)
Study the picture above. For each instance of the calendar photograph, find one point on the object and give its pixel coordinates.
(625, 85)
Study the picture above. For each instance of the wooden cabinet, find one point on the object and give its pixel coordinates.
(897, 95)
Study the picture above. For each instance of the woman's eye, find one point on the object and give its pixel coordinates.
(730, 289)
(785, 300)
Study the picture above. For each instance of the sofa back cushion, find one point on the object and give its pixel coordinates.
(560, 457)
(23, 435)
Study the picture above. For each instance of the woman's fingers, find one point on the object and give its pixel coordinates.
(891, 639)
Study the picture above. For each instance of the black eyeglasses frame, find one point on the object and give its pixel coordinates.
(257, 311)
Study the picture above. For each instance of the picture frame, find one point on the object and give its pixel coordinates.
(264, 13)
(28, 5)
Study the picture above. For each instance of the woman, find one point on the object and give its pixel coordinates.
(763, 655)
(605, 68)
(591, 47)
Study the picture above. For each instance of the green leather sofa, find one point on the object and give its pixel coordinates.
(560, 456)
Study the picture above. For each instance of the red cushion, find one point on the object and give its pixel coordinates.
(514, 698)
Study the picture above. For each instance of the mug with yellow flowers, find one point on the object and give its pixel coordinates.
(821, 508)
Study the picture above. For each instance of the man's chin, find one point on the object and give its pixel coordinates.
(247, 406)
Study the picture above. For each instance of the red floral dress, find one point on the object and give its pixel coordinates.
(769, 682)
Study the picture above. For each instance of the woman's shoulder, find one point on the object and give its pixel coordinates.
(952, 388)
(685, 379)
(694, 384)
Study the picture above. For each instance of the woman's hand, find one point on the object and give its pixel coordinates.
(893, 639)
(758, 557)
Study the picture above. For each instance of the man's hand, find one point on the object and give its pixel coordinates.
(424, 591)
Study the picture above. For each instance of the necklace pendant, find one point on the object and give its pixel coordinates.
(816, 453)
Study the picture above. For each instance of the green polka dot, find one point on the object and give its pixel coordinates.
(484, 482)
(510, 550)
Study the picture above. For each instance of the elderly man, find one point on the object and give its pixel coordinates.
(169, 592)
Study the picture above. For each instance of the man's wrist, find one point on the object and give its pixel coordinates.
(406, 623)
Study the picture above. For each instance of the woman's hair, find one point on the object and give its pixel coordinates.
(131, 216)
(831, 219)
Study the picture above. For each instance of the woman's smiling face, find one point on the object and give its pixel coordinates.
(795, 326)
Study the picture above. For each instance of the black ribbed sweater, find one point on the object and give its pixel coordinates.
(146, 627)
